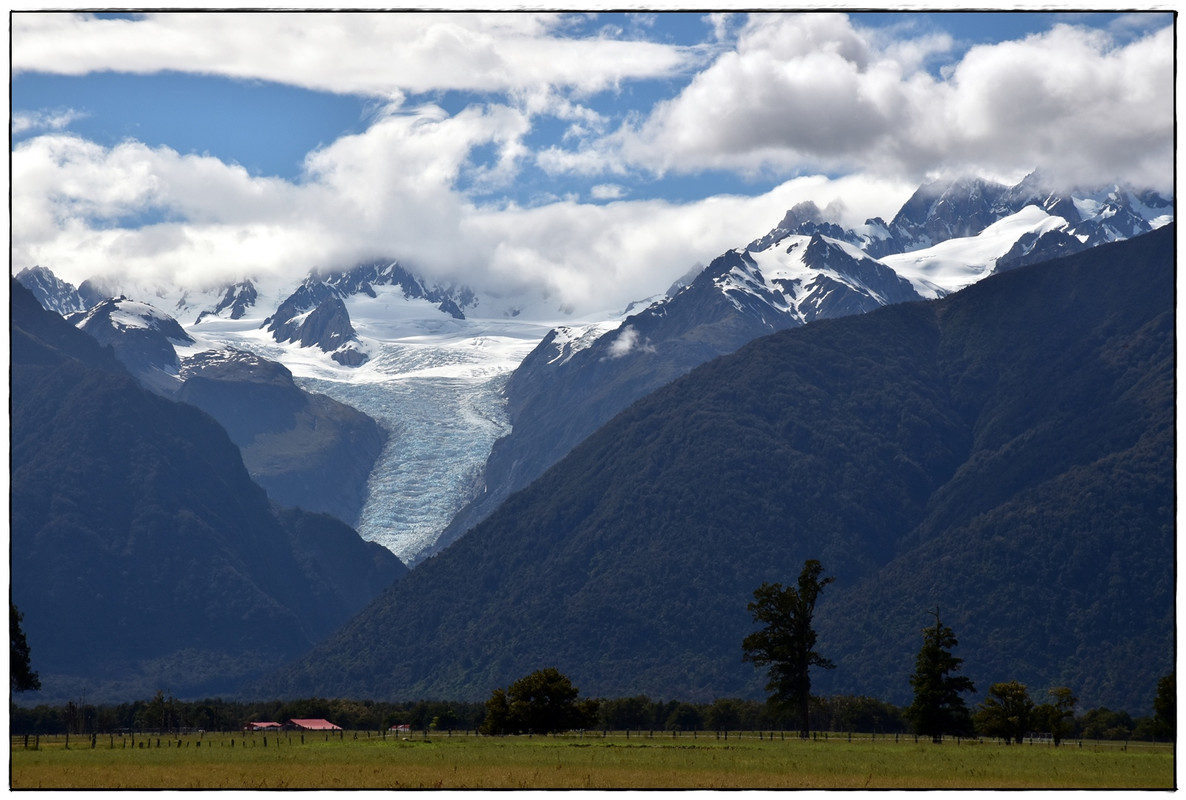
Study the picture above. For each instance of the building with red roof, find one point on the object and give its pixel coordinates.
(312, 725)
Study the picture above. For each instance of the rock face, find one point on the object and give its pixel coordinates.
(51, 291)
(307, 450)
(326, 327)
(235, 301)
(139, 539)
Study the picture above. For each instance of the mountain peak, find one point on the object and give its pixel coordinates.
(53, 293)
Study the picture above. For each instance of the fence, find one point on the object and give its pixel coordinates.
(289, 738)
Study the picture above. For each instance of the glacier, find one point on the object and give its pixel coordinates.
(433, 383)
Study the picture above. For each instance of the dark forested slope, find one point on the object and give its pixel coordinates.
(1006, 453)
(143, 557)
(306, 450)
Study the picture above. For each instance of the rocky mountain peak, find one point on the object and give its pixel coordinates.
(53, 293)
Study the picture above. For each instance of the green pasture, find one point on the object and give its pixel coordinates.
(362, 760)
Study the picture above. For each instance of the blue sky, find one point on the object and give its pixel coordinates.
(577, 150)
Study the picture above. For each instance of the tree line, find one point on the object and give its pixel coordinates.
(834, 714)
(546, 701)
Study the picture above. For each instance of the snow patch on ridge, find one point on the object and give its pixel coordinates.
(956, 263)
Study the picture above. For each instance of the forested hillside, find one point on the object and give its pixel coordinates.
(143, 557)
(1006, 454)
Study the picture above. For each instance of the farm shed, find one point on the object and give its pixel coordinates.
(262, 726)
(312, 725)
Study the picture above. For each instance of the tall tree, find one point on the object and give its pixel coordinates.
(22, 678)
(1007, 712)
(1055, 717)
(938, 708)
(786, 642)
(1165, 707)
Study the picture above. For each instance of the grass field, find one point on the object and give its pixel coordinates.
(233, 761)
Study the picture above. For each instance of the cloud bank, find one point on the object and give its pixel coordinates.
(815, 92)
(785, 97)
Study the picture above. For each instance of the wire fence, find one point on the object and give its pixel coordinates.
(197, 739)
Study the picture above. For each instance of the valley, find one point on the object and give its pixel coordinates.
(565, 466)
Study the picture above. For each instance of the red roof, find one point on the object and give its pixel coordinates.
(262, 725)
(315, 724)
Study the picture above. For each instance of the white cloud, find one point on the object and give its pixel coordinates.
(1069, 101)
(389, 191)
(626, 342)
(24, 122)
(607, 191)
(813, 92)
(380, 54)
(794, 96)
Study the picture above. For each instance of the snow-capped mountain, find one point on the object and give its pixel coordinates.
(945, 237)
(476, 401)
(143, 337)
(316, 315)
(577, 379)
(235, 301)
(51, 292)
(962, 209)
(306, 450)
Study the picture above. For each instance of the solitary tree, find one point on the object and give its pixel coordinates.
(1007, 712)
(22, 678)
(938, 708)
(786, 642)
(543, 702)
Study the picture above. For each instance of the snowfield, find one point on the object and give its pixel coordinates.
(951, 265)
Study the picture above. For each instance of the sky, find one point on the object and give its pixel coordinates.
(589, 158)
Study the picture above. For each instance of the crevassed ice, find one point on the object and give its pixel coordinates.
(440, 429)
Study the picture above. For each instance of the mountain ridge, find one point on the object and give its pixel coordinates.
(143, 556)
(567, 386)
(857, 441)
(554, 403)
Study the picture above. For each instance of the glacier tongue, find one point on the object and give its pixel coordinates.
(440, 431)
(433, 383)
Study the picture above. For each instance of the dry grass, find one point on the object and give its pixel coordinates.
(461, 762)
